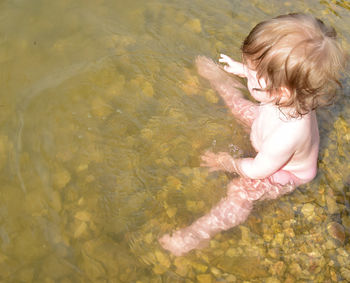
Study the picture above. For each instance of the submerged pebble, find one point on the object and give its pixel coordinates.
(194, 25)
(61, 178)
(336, 231)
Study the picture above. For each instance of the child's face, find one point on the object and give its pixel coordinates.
(254, 86)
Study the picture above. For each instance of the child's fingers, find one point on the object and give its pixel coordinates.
(224, 59)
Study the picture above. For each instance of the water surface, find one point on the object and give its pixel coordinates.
(103, 120)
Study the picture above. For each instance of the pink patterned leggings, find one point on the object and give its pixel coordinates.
(229, 212)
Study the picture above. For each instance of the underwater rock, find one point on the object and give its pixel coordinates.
(272, 280)
(54, 268)
(345, 273)
(232, 252)
(32, 242)
(332, 205)
(205, 278)
(159, 269)
(245, 235)
(199, 267)
(336, 231)
(308, 210)
(191, 84)
(56, 201)
(100, 108)
(278, 268)
(162, 258)
(182, 266)
(108, 253)
(61, 178)
(211, 96)
(274, 252)
(238, 266)
(25, 275)
(92, 268)
(195, 206)
(82, 167)
(147, 89)
(80, 230)
(231, 278)
(216, 272)
(295, 269)
(147, 134)
(279, 239)
(83, 216)
(346, 221)
(35, 203)
(116, 88)
(194, 25)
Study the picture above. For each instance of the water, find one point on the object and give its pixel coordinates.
(103, 120)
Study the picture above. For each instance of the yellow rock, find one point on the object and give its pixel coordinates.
(182, 266)
(211, 96)
(174, 182)
(147, 89)
(171, 211)
(83, 216)
(56, 201)
(64, 155)
(191, 85)
(61, 178)
(149, 238)
(82, 167)
(204, 278)
(35, 203)
(194, 25)
(162, 258)
(25, 275)
(100, 108)
(80, 230)
(116, 88)
(147, 134)
(231, 252)
(81, 201)
(166, 161)
(219, 46)
(279, 239)
(199, 267)
(159, 269)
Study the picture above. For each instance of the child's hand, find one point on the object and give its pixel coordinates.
(219, 161)
(233, 66)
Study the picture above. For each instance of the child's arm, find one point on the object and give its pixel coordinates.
(233, 67)
(273, 156)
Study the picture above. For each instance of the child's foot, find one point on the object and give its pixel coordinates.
(217, 77)
(181, 242)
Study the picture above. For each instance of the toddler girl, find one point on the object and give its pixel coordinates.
(292, 65)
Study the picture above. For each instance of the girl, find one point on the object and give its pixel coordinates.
(292, 65)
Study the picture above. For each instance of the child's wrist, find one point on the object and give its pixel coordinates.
(236, 163)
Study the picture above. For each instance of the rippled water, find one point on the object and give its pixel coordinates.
(103, 119)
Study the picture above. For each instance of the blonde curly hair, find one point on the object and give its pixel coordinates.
(300, 53)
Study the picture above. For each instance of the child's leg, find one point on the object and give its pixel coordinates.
(228, 88)
(229, 212)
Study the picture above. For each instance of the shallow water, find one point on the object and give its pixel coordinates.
(103, 120)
